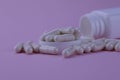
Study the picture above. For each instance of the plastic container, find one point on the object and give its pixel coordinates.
(101, 23)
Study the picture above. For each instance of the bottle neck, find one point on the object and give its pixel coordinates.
(92, 25)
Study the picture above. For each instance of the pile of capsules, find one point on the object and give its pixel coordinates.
(65, 35)
(61, 35)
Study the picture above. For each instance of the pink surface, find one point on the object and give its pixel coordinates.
(22, 20)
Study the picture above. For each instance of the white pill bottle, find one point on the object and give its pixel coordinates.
(101, 23)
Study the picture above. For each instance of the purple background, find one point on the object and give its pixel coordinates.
(22, 20)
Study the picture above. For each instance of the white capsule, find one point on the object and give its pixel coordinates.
(35, 47)
(85, 44)
(49, 38)
(86, 41)
(64, 38)
(48, 49)
(98, 45)
(42, 37)
(77, 34)
(101, 39)
(18, 48)
(79, 50)
(28, 48)
(53, 32)
(109, 40)
(68, 30)
(110, 45)
(87, 49)
(68, 52)
(117, 47)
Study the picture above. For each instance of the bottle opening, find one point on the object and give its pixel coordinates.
(92, 25)
(85, 27)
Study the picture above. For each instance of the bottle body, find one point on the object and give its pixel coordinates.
(101, 23)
